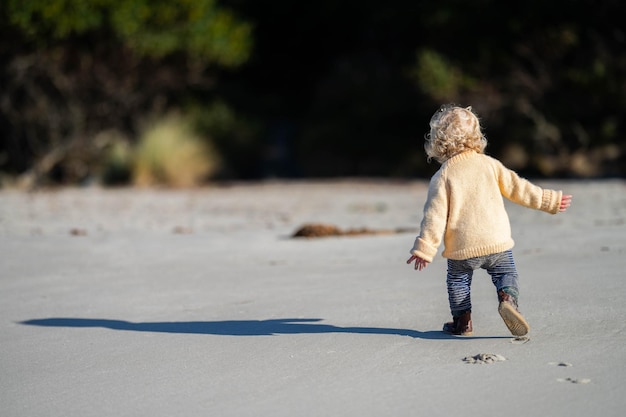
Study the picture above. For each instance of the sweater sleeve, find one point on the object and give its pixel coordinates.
(525, 193)
(434, 222)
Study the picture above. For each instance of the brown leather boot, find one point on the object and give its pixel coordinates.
(512, 317)
(460, 326)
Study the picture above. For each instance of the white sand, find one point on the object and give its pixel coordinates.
(197, 303)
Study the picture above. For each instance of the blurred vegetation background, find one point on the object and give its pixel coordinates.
(180, 92)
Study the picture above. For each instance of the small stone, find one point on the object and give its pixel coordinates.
(78, 232)
(182, 230)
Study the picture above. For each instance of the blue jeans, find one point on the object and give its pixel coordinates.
(500, 266)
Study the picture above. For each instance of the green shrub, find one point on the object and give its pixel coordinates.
(234, 135)
(438, 77)
(117, 158)
(157, 28)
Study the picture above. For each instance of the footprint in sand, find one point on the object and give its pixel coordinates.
(572, 380)
(520, 340)
(566, 364)
(575, 380)
(484, 358)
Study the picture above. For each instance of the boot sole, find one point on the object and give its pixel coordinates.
(448, 331)
(459, 334)
(513, 319)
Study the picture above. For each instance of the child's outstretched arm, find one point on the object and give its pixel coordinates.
(419, 262)
(566, 201)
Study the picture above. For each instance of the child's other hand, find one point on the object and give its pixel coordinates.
(419, 262)
(566, 201)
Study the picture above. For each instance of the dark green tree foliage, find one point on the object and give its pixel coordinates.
(360, 79)
(329, 88)
(75, 68)
(548, 77)
(155, 28)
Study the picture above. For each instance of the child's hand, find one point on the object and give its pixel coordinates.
(566, 201)
(419, 262)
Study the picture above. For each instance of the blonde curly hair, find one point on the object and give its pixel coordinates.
(453, 130)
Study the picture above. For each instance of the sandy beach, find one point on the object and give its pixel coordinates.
(148, 302)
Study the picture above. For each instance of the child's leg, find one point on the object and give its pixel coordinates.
(459, 281)
(501, 267)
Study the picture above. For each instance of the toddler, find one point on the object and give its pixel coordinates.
(466, 209)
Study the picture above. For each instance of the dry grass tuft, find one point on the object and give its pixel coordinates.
(171, 153)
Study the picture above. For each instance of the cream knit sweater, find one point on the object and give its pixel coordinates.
(466, 208)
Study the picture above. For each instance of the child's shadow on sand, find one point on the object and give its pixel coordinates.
(236, 327)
